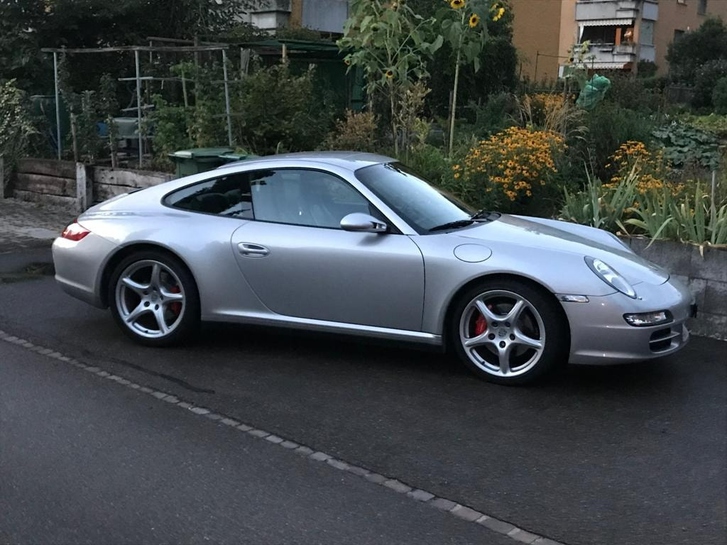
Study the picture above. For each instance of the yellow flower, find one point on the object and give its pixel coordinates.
(474, 20)
(456, 4)
(389, 74)
(498, 14)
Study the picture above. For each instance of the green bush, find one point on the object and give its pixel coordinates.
(705, 81)
(719, 96)
(16, 125)
(278, 111)
(609, 126)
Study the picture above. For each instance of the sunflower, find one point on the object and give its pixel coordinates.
(456, 4)
(498, 15)
(389, 74)
(474, 20)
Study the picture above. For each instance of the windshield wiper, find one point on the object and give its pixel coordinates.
(452, 225)
(483, 214)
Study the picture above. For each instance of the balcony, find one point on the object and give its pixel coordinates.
(610, 55)
(596, 10)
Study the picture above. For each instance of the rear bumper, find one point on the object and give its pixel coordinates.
(79, 266)
(601, 336)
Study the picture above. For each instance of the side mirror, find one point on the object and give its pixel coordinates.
(363, 223)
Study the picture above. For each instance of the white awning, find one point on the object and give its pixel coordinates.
(607, 22)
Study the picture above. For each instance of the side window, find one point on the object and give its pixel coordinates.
(305, 197)
(224, 196)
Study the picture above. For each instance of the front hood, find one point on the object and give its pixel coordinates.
(559, 237)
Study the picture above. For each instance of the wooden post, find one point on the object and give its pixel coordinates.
(83, 188)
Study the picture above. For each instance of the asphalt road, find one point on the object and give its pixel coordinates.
(620, 455)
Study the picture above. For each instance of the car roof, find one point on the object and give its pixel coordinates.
(350, 160)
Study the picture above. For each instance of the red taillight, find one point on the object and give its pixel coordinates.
(74, 232)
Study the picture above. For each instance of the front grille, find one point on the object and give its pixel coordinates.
(661, 339)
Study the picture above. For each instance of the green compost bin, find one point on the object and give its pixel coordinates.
(234, 157)
(194, 161)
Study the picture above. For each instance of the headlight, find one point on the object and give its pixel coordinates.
(610, 276)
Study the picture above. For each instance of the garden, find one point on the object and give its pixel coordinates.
(440, 93)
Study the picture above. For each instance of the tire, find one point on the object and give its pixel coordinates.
(154, 299)
(509, 332)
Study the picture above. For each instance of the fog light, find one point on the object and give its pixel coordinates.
(649, 318)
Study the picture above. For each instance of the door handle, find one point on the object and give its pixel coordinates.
(252, 250)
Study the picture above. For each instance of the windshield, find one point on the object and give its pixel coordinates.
(416, 201)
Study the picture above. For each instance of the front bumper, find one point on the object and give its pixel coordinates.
(601, 336)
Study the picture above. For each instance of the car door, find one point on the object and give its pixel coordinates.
(300, 263)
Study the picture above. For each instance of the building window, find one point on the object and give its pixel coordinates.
(682, 2)
(646, 36)
(678, 34)
(702, 7)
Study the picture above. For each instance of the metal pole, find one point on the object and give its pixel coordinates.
(138, 106)
(58, 106)
(227, 99)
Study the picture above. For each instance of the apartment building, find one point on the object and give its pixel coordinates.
(621, 32)
(327, 16)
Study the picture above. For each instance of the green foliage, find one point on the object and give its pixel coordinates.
(600, 206)
(16, 125)
(705, 81)
(278, 112)
(170, 129)
(498, 72)
(688, 146)
(391, 43)
(712, 123)
(496, 114)
(688, 217)
(634, 93)
(719, 96)
(695, 49)
(609, 126)
(357, 131)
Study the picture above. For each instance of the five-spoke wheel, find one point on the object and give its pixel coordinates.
(154, 298)
(509, 332)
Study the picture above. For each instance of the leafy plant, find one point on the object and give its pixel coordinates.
(513, 164)
(391, 43)
(463, 29)
(278, 111)
(685, 146)
(16, 125)
(601, 206)
(357, 131)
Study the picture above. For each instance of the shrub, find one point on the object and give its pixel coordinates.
(278, 111)
(686, 146)
(357, 131)
(16, 125)
(706, 80)
(634, 159)
(719, 96)
(513, 164)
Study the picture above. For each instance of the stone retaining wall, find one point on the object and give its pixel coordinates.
(706, 276)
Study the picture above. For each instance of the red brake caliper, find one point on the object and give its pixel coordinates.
(176, 308)
(480, 325)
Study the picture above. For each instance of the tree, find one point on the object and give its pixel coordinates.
(28, 25)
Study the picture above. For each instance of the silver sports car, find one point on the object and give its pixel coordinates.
(358, 244)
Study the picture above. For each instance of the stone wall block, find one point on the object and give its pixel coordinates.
(715, 298)
(713, 266)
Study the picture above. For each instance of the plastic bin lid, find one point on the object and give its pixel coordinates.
(201, 153)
